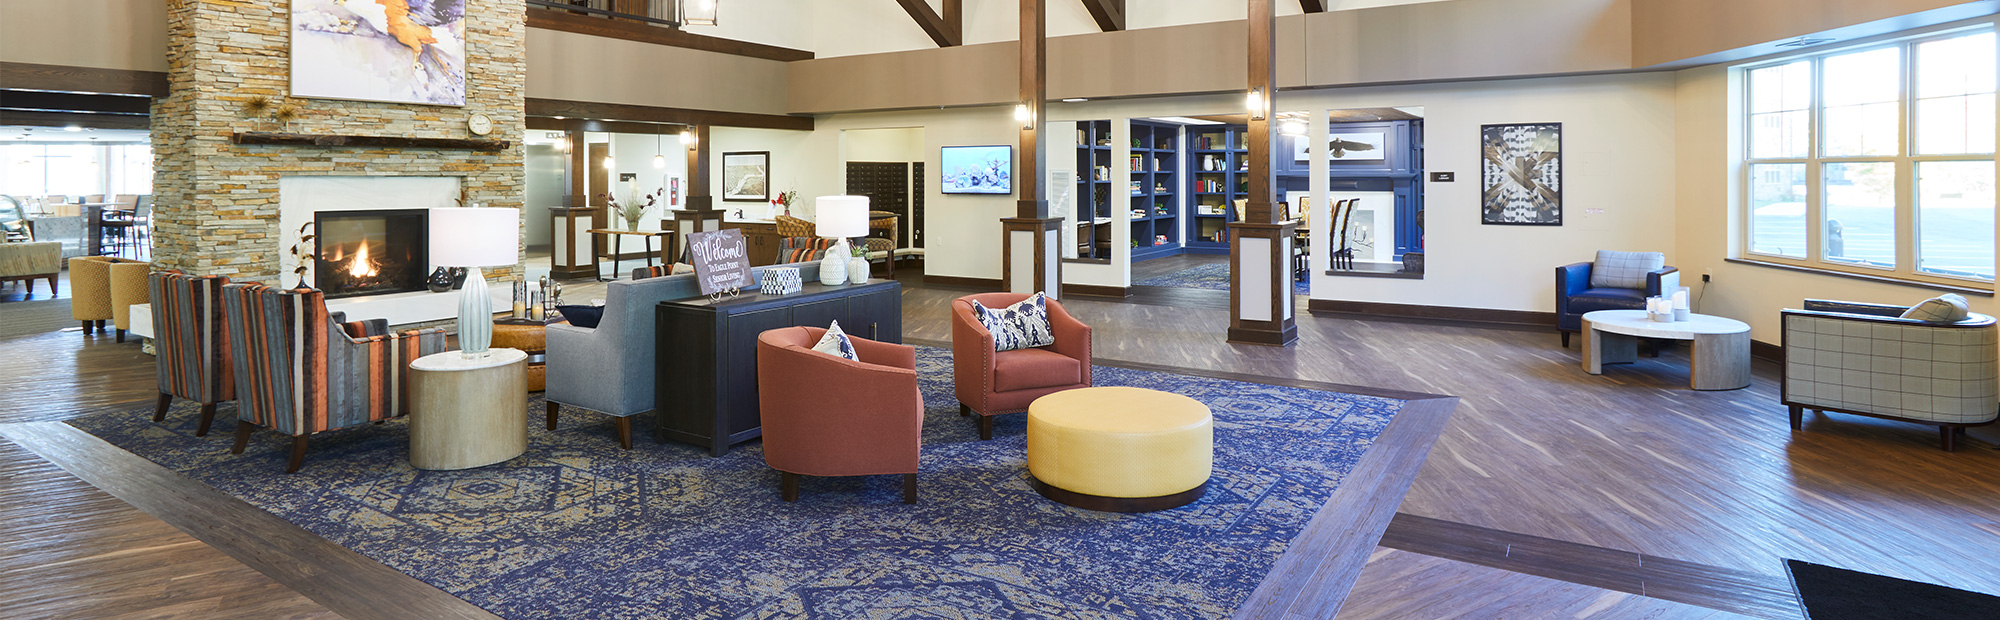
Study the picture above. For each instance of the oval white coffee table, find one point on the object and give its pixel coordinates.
(1719, 358)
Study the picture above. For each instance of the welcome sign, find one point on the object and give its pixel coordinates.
(721, 260)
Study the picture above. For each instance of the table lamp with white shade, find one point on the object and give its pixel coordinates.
(840, 217)
(475, 237)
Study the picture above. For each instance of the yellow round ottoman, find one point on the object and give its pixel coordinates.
(1120, 449)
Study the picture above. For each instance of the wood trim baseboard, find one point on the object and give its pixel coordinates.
(1767, 351)
(63, 78)
(601, 112)
(1962, 290)
(1093, 290)
(1447, 314)
(984, 284)
(550, 19)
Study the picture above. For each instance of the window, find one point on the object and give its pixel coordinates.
(1877, 160)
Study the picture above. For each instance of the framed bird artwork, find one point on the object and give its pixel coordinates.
(397, 51)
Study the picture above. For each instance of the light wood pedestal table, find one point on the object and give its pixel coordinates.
(467, 413)
(1718, 360)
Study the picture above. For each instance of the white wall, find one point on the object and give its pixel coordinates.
(784, 23)
(888, 144)
(793, 165)
(1618, 185)
(634, 154)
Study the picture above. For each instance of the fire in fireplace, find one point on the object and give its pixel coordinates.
(370, 252)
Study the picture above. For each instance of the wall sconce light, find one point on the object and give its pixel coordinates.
(1023, 114)
(687, 137)
(698, 12)
(1254, 102)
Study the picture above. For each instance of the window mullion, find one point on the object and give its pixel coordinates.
(1906, 169)
(1815, 224)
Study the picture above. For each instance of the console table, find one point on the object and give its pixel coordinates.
(706, 381)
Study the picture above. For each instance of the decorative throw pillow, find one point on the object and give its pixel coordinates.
(1019, 326)
(835, 343)
(1946, 308)
(1624, 269)
(582, 316)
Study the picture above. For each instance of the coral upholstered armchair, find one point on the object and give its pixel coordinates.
(857, 418)
(991, 383)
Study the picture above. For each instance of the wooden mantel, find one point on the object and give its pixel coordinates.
(307, 139)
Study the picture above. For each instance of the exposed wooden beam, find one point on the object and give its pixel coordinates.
(399, 142)
(1110, 14)
(73, 102)
(564, 21)
(947, 30)
(1313, 6)
(699, 196)
(547, 123)
(65, 119)
(28, 76)
(655, 114)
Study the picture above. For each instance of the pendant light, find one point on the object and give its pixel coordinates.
(659, 151)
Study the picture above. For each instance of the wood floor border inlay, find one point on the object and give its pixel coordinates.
(1735, 591)
(346, 582)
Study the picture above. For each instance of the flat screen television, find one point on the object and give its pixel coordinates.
(977, 170)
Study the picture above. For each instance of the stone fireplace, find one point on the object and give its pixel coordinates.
(370, 252)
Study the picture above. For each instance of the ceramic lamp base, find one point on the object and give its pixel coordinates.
(475, 316)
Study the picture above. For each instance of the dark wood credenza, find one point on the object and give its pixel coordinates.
(706, 381)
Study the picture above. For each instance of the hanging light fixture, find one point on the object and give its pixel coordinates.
(609, 163)
(659, 152)
(698, 12)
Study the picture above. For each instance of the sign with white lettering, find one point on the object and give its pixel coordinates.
(721, 260)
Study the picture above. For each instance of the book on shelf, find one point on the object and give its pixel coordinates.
(1138, 164)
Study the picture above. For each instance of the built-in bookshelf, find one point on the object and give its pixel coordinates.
(1093, 190)
(1218, 175)
(1155, 164)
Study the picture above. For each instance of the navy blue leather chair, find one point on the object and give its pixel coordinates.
(1575, 296)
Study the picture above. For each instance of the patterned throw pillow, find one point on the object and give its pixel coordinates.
(1020, 326)
(835, 343)
(1624, 269)
(1946, 308)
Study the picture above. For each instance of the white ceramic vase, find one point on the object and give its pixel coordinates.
(833, 268)
(857, 270)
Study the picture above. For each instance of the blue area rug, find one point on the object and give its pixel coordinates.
(578, 529)
(1211, 276)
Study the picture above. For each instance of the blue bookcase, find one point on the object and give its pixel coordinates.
(1155, 164)
(1217, 175)
(1093, 190)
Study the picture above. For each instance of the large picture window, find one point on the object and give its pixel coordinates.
(1877, 160)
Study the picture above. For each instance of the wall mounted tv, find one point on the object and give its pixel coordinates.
(977, 170)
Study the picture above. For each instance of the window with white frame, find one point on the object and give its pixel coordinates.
(1876, 160)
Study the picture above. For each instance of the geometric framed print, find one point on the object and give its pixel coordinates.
(1520, 174)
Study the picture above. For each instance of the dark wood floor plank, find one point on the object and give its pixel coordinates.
(290, 555)
(1401, 585)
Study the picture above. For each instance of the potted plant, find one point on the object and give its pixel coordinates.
(632, 212)
(857, 265)
(784, 201)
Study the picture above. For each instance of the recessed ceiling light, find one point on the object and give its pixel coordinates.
(72, 128)
(1075, 100)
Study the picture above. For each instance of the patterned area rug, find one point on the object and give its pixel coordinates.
(1211, 276)
(578, 529)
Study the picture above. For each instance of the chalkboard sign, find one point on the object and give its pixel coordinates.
(721, 260)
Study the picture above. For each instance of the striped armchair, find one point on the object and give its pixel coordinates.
(301, 370)
(192, 342)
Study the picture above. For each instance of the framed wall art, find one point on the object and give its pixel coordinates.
(1520, 174)
(362, 50)
(745, 176)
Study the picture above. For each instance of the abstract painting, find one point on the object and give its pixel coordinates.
(1520, 174)
(744, 176)
(396, 51)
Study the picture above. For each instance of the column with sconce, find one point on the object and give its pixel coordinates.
(1260, 241)
(700, 213)
(1029, 240)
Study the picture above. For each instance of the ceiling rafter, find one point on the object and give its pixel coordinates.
(947, 30)
(1110, 14)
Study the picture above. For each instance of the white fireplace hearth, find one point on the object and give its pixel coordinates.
(300, 197)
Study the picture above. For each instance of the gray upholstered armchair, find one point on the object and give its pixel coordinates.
(609, 368)
(1862, 359)
(1615, 281)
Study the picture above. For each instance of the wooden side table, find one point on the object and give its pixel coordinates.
(467, 413)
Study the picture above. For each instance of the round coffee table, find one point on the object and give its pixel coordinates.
(467, 413)
(1719, 358)
(1120, 449)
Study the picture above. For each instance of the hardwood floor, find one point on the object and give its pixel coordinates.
(1625, 465)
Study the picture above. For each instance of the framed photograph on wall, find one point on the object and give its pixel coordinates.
(745, 176)
(345, 51)
(1520, 174)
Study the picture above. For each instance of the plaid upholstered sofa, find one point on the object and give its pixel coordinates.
(301, 369)
(1863, 359)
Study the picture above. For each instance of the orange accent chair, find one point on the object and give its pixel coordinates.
(991, 383)
(825, 415)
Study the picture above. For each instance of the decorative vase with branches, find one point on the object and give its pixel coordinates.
(300, 252)
(632, 212)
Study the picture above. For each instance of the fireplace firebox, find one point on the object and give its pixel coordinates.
(370, 252)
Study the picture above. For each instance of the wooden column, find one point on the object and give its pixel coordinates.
(1260, 242)
(699, 214)
(578, 172)
(1030, 239)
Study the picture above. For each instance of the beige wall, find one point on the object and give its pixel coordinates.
(577, 67)
(1670, 30)
(106, 34)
